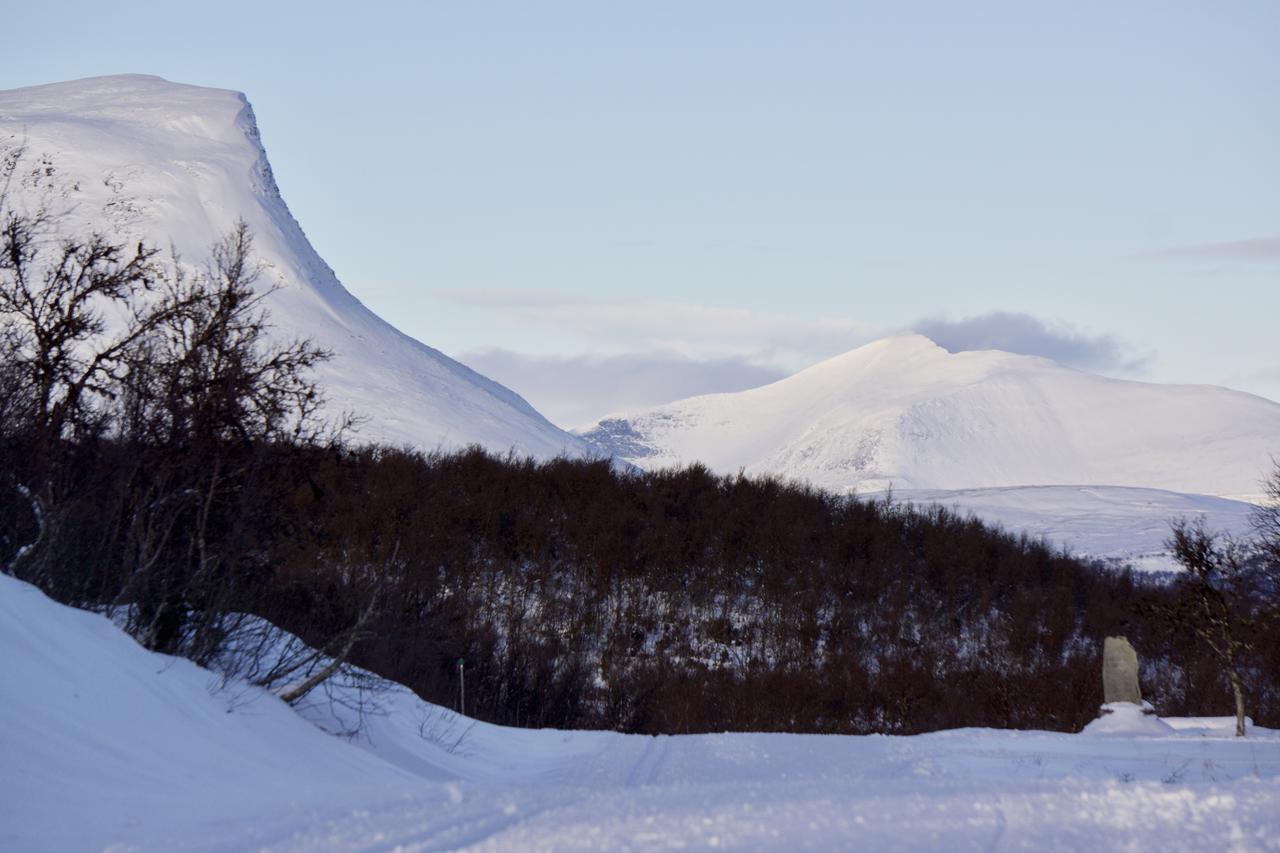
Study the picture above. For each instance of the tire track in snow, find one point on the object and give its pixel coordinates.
(649, 764)
(394, 829)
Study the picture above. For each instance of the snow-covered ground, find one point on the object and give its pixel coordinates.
(177, 165)
(1112, 523)
(106, 746)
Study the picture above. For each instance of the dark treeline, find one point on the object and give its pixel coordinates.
(678, 601)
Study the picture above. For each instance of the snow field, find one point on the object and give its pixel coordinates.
(1116, 524)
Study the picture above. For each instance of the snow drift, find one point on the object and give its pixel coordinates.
(178, 165)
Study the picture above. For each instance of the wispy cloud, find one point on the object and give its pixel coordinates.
(689, 330)
(1259, 249)
(665, 351)
(1023, 333)
(576, 391)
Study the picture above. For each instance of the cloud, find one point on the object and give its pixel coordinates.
(1260, 249)
(673, 350)
(693, 331)
(1023, 333)
(576, 391)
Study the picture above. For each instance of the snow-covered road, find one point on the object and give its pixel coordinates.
(964, 790)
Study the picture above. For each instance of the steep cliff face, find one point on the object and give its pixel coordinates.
(143, 158)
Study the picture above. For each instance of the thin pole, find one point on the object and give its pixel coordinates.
(462, 687)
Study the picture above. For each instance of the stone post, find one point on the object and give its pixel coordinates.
(1120, 672)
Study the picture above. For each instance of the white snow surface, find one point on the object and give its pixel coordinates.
(1125, 719)
(1115, 524)
(177, 165)
(904, 413)
(104, 745)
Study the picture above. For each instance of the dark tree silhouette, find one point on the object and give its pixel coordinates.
(1214, 599)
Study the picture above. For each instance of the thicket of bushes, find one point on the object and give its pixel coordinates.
(682, 601)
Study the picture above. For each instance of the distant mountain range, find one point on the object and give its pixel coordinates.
(143, 158)
(905, 413)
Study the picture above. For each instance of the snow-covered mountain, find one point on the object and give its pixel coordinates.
(177, 165)
(904, 412)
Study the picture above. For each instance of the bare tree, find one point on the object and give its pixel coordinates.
(1266, 544)
(105, 347)
(208, 369)
(216, 401)
(1266, 527)
(70, 311)
(1216, 599)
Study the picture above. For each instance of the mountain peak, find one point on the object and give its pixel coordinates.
(906, 346)
(904, 411)
(177, 165)
(108, 88)
(133, 98)
(897, 355)
(904, 342)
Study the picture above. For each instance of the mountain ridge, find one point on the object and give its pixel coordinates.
(904, 412)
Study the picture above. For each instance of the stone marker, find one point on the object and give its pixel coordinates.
(1120, 672)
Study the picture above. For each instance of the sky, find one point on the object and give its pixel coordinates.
(608, 206)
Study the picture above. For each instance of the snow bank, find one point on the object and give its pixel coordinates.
(103, 741)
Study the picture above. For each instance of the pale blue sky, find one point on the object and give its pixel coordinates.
(755, 184)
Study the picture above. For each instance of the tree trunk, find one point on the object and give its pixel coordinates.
(297, 691)
(1239, 694)
(294, 693)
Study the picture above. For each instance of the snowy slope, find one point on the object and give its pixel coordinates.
(102, 741)
(903, 412)
(178, 165)
(1116, 524)
(106, 745)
